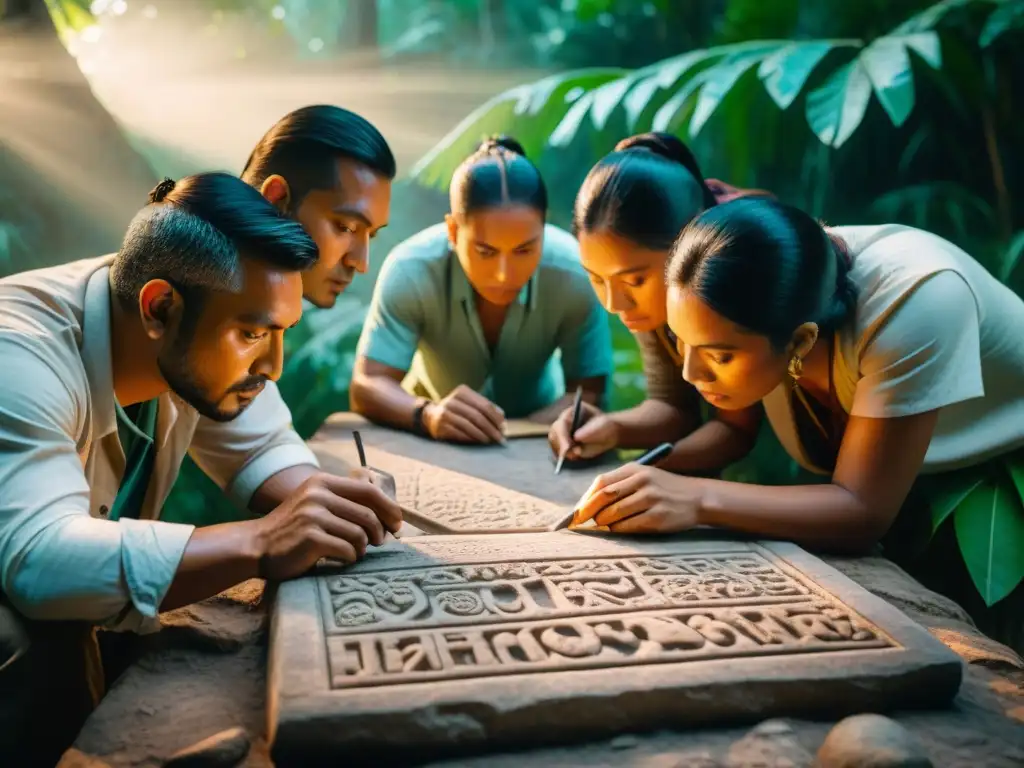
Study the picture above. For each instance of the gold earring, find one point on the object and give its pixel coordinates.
(796, 367)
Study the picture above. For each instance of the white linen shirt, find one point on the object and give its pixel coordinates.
(61, 461)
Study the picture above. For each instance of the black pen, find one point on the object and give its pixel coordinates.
(359, 446)
(655, 455)
(577, 410)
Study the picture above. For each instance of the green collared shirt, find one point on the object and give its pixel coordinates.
(423, 320)
(137, 434)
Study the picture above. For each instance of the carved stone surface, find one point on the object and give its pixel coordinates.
(459, 501)
(441, 643)
(525, 464)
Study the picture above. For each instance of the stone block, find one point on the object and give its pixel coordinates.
(457, 644)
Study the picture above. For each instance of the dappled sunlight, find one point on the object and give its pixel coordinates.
(58, 142)
(191, 107)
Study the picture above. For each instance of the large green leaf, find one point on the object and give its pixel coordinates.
(1009, 15)
(530, 112)
(711, 59)
(720, 79)
(990, 530)
(887, 63)
(668, 112)
(1012, 256)
(930, 17)
(785, 72)
(933, 205)
(1015, 466)
(661, 76)
(947, 493)
(835, 109)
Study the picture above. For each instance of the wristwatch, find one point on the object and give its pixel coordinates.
(418, 427)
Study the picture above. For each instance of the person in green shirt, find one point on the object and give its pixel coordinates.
(483, 317)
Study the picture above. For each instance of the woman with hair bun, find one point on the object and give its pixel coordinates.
(878, 353)
(631, 208)
(468, 314)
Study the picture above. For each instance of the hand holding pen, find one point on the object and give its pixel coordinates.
(639, 498)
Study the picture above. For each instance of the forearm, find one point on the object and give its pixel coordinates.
(79, 568)
(382, 399)
(826, 517)
(279, 486)
(709, 447)
(651, 423)
(216, 558)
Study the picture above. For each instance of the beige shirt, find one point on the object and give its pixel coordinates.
(61, 460)
(933, 330)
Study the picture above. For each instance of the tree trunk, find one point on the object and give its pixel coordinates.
(14, 9)
(69, 180)
(365, 23)
(492, 24)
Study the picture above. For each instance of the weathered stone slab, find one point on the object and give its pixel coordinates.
(465, 642)
(524, 464)
(460, 501)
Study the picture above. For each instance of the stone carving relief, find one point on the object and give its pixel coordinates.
(667, 635)
(455, 621)
(460, 501)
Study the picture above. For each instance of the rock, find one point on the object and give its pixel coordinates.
(626, 741)
(772, 744)
(223, 623)
(74, 758)
(871, 741)
(703, 760)
(773, 728)
(222, 750)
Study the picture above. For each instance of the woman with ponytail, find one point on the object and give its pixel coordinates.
(630, 210)
(467, 315)
(878, 353)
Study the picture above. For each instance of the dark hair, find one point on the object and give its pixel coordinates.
(765, 266)
(646, 190)
(195, 233)
(303, 147)
(497, 174)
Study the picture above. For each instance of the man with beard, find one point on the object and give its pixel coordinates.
(331, 170)
(112, 368)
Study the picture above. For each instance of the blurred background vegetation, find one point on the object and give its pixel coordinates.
(860, 112)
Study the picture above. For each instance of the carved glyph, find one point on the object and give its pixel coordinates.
(404, 625)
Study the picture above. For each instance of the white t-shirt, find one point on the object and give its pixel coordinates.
(932, 329)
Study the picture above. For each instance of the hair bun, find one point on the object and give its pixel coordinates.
(161, 190)
(672, 148)
(664, 144)
(501, 142)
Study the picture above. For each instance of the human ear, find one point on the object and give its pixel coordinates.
(276, 190)
(803, 340)
(159, 303)
(453, 229)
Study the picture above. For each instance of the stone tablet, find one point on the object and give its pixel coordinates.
(462, 502)
(525, 464)
(461, 643)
